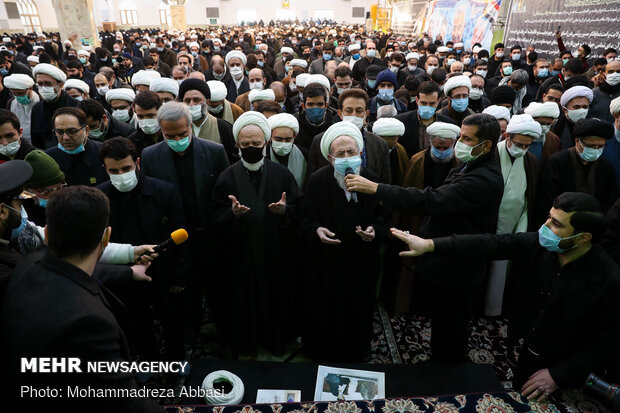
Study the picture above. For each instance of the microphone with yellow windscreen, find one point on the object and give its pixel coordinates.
(177, 237)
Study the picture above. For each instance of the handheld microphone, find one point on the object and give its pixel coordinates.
(177, 237)
(348, 171)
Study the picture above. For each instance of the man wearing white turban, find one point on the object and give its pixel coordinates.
(255, 206)
(548, 143)
(457, 89)
(236, 61)
(516, 211)
(501, 113)
(166, 88)
(467, 202)
(50, 81)
(120, 101)
(282, 148)
(391, 129)
(77, 89)
(24, 100)
(346, 225)
(218, 106)
(575, 104)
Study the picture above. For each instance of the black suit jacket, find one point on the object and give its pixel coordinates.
(84, 168)
(209, 161)
(54, 309)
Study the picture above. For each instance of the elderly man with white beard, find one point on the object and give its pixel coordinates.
(520, 172)
(255, 218)
(346, 232)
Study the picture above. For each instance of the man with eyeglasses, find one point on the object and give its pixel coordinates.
(77, 156)
(457, 88)
(580, 168)
(50, 81)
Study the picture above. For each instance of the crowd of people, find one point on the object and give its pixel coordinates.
(288, 152)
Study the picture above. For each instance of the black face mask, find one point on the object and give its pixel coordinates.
(14, 219)
(252, 154)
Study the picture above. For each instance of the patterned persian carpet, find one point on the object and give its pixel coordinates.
(406, 340)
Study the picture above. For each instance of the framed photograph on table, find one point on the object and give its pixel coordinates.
(334, 384)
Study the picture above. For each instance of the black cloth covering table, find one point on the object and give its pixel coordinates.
(425, 379)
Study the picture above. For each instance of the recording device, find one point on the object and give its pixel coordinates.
(177, 237)
(609, 393)
(348, 171)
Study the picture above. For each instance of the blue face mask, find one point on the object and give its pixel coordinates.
(460, 105)
(341, 164)
(42, 202)
(315, 115)
(386, 95)
(178, 146)
(261, 64)
(543, 73)
(590, 154)
(17, 231)
(426, 112)
(441, 154)
(356, 56)
(555, 72)
(327, 56)
(4, 71)
(449, 49)
(77, 150)
(551, 242)
(459, 51)
(371, 83)
(83, 60)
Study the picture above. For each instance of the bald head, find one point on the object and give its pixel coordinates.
(256, 75)
(197, 75)
(279, 90)
(612, 67)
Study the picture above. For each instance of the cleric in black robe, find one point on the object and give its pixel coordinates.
(255, 213)
(580, 168)
(346, 234)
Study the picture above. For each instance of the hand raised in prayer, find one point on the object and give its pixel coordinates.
(326, 236)
(143, 254)
(237, 208)
(417, 246)
(139, 272)
(357, 183)
(367, 235)
(539, 386)
(279, 207)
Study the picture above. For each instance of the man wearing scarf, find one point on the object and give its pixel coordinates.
(282, 148)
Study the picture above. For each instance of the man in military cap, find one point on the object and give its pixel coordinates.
(14, 174)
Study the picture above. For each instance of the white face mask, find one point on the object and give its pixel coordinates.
(292, 86)
(467, 61)
(515, 151)
(545, 129)
(48, 93)
(394, 69)
(124, 182)
(613, 79)
(196, 111)
(357, 121)
(577, 114)
(475, 94)
(282, 148)
(257, 85)
(121, 114)
(216, 110)
(10, 149)
(103, 90)
(412, 67)
(482, 73)
(236, 72)
(148, 126)
(430, 69)
(499, 54)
